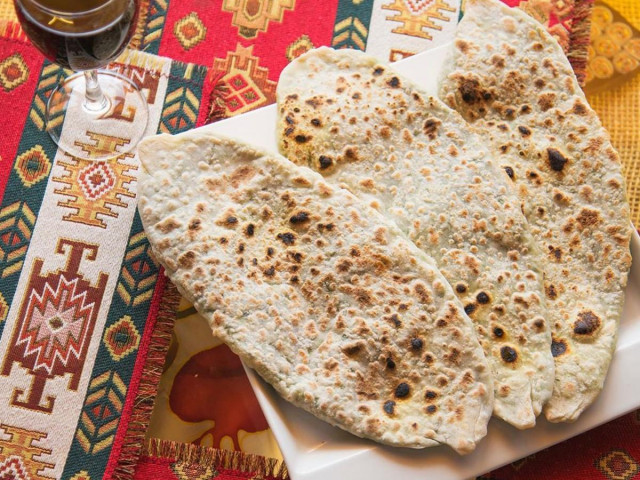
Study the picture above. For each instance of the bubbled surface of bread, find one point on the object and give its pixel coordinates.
(365, 127)
(510, 79)
(318, 292)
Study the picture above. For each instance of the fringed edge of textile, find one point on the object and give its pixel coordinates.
(579, 38)
(151, 64)
(132, 446)
(256, 465)
(154, 65)
(217, 105)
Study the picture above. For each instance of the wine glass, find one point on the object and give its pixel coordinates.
(84, 35)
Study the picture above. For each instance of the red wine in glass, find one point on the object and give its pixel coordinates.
(84, 35)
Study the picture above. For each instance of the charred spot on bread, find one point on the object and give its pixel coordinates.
(394, 82)
(524, 131)
(325, 162)
(389, 407)
(510, 172)
(299, 218)
(287, 238)
(586, 324)
(402, 390)
(558, 347)
(557, 160)
(508, 354)
(483, 298)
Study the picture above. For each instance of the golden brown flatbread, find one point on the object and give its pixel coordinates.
(368, 129)
(318, 292)
(510, 80)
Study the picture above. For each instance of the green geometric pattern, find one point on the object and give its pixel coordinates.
(16, 225)
(351, 28)
(139, 269)
(101, 412)
(17, 217)
(155, 24)
(182, 102)
(50, 77)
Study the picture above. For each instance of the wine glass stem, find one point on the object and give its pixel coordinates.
(94, 100)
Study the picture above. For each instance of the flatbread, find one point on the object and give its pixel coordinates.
(320, 294)
(511, 80)
(367, 128)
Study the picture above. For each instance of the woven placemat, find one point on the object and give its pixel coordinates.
(619, 110)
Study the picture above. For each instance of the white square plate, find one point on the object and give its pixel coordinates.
(314, 450)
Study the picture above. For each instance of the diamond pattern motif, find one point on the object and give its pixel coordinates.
(249, 82)
(13, 468)
(94, 191)
(302, 45)
(32, 166)
(190, 31)
(13, 72)
(96, 179)
(618, 465)
(121, 338)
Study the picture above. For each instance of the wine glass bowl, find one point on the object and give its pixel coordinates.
(84, 35)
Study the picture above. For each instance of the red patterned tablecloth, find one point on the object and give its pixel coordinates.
(76, 395)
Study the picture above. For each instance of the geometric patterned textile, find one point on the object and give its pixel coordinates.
(86, 314)
(55, 324)
(79, 294)
(18, 454)
(103, 406)
(609, 452)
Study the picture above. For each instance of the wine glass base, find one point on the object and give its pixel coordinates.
(100, 131)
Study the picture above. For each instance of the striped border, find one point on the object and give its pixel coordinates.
(143, 316)
(30, 197)
(127, 446)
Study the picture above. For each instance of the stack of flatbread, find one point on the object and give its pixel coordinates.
(512, 83)
(437, 267)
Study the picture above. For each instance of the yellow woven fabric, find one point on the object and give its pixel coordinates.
(7, 11)
(619, 110)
